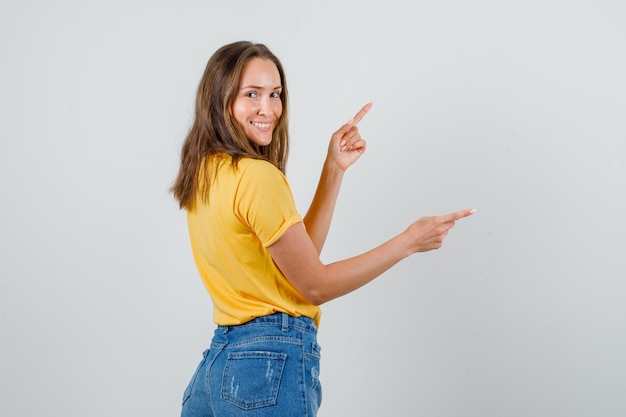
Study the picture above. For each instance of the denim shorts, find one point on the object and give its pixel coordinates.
(266, 367)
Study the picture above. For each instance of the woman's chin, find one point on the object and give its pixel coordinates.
(261, 141)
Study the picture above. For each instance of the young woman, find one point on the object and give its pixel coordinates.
(258, 258)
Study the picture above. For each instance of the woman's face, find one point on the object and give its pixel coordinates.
(257, 106)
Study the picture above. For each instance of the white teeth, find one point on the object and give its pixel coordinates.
(262, 125)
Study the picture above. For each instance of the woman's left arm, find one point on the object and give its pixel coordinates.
(346, 146)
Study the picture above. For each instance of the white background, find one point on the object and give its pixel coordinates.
(516, 108)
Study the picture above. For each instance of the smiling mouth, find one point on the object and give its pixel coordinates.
(261, 125)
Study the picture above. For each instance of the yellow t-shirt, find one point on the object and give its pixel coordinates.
(248, 209)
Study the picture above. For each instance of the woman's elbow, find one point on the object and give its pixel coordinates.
(315, 296)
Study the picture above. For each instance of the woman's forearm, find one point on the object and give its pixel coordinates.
(295, 255)
(319, 216)
(345, 276)
(345, 147)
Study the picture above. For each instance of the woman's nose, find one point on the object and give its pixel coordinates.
(264, 105)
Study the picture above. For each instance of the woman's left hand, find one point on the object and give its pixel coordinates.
(346, 144)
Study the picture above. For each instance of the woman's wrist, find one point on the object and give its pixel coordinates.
(332, 169)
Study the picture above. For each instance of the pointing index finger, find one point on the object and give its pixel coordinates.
(357, 118)
(452, 217)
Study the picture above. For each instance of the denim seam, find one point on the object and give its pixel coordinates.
(278, 325)
(260, 339)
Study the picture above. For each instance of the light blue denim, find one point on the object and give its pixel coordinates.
(266, 367)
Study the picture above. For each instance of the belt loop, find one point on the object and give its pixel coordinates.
(285, 322)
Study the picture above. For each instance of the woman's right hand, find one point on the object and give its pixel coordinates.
(428, 233)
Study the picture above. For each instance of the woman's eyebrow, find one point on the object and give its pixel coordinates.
(259, 87)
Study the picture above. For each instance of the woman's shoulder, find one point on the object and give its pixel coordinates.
(255, 166)
(260, 173)
(241, 164)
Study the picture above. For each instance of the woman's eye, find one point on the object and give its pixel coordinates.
(251, 94)
(275, 94)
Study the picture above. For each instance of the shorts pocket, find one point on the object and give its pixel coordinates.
(251, 379)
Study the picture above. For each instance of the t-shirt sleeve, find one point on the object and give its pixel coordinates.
(264, 202)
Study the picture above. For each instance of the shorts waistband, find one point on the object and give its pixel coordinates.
(283, 320)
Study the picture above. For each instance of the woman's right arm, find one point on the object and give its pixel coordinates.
(296, 256)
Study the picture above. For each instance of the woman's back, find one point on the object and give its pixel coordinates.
(248, 208)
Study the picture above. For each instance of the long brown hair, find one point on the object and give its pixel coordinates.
(215, 131)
